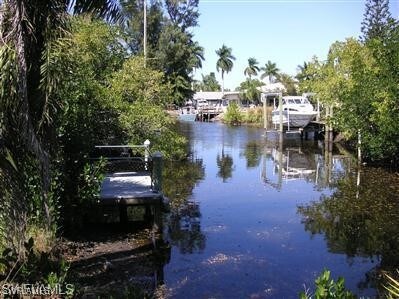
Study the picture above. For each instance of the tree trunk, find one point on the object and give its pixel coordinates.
(26, 128)
(222, 83)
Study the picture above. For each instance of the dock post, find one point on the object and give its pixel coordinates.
(264, 111)
(146, 152)
(280, 108)
(157, 172)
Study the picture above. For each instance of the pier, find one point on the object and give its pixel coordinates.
(208, 113)
(132, 181)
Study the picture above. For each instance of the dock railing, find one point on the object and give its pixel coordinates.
(120, 158)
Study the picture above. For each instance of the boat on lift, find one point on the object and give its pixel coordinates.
(297, 112)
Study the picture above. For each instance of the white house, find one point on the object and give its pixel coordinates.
(215, 98)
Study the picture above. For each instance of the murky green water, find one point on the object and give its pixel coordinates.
(254, 218)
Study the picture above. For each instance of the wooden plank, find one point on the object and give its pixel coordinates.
(128, 188)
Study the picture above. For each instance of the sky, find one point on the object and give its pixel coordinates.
(286, 32)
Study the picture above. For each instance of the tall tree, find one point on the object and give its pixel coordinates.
(288, 82)
(178, 54)
(302, 71)
(377, 20)
(249, 90)
(209, 83)
(133, 12)
(26, 30)
(183, 13)
(197, 55)
(252, 69)
(270, 70)
(225, 61)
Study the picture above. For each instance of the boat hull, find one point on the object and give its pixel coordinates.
(187, 117)
(294, 119)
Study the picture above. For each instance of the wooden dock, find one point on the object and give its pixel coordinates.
(134, 181)
(314, 130)
(208, 113)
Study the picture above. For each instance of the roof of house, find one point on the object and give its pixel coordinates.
(213, 95)
(272, 87)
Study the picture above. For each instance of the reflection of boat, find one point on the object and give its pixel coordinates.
(296, 112)
(188, 112)
(293, 164)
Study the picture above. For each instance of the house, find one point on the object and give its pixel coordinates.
(217, 98)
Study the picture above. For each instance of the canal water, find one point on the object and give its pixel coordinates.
(254, 217)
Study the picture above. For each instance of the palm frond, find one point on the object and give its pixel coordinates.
(109, 10)
(392, 287)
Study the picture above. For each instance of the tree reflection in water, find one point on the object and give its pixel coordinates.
(185, 229)
(253, 154)
(225, 165)
(360, 219)
(184, 226)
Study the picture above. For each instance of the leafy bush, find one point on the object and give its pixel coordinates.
(233, 114)
(91, 178)
(327, 288)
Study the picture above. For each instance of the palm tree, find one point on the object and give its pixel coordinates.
(197, 56)
(225, 61)
(270, 70)
(288, 82)
(303, 72)
(252, 68)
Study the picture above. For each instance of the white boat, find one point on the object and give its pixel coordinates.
(297, 112)
(188, 113)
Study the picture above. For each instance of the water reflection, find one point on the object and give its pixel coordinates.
(225, 166)
(180, 178)
(294, 159)
(253, 153)
(184, 225)
(360, 218)
(185, 229)
(234, 236)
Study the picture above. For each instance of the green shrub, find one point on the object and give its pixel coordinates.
(233, 115)
(327, 288)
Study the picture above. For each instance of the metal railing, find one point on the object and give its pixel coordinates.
(120, 158)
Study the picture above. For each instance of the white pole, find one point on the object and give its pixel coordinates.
(145, 33)
(359, 147)
(280, 108)
(263, 97)
(146, 153)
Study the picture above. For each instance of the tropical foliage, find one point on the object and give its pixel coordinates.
(233, 114)
(225, 61)
(377, 20)
(360, 79)
(358, 221)
(208, 83)
(249, 90)
(327, 288)
(252, 69)
(70, 83)
(288, 82)
(270, 70)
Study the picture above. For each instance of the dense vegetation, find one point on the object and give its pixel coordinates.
(68, 83)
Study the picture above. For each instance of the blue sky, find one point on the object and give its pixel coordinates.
(287, 32)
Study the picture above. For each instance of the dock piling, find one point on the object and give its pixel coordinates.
(157, 171)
